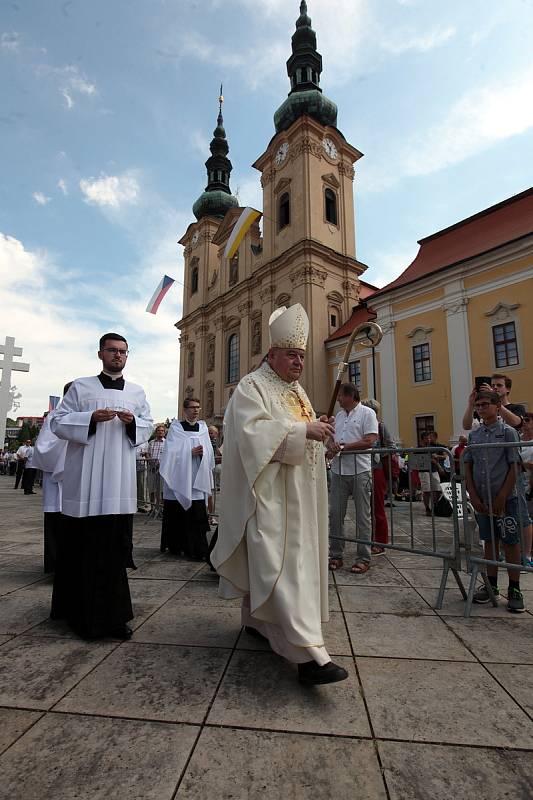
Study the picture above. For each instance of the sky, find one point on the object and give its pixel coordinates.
(106, 115)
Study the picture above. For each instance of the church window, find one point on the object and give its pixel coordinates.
(194, 279)
(422, 363)
(505, 345)
(333, 320)
(330, 200)
(233, 358)
(284, 211)
(298, 76)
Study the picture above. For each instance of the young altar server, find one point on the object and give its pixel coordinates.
(49, 457)
(103, 419)
(272, 546)
(186, 466)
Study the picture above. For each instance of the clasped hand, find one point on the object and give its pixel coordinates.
(321, 430)
(198, 450)
(107, 414)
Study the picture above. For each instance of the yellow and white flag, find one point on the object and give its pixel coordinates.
(247, 218)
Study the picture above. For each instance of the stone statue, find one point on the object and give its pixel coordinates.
(256, 337)
(190, 364)
(211, 355)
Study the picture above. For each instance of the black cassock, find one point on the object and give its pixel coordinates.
(183, 531)
(91, 589)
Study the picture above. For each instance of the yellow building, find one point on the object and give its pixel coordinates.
(464, 307)
(306, 252)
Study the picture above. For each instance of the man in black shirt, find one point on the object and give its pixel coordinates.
(511, 413)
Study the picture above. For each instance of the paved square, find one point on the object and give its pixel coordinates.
(192, 707)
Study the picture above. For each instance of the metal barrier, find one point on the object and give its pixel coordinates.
(441, 541)
(498, 527)
(149, 487)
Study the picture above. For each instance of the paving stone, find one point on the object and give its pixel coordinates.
(4, 638)
(169, 570)
(261, 690)
(147, 596)
(259, 765)
(431, 578)
(382, 575)
(393, 636)
(453, 604)
(436, 772)
(508, 640)
(205, 593)
(13, 723)
(441, 701)
(36, 671)
(413, 561)
(518, 680)
(67, 756)
(184, 624)
(173, 684)
(12, 579)
(333, 598)
(390, 600)
(21, 610)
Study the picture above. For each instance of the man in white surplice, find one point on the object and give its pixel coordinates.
(272, 546)
(103, 418)
(49, 456)
(187, 465)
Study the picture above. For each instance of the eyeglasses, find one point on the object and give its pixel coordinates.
(116, 350)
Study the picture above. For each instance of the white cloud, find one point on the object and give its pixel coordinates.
(113, 191)
(387, 266)
(10, 42)
(200, 143)
(60, 337)
(70, 82)
(478, 120)
(41, 198)
(62, 184)
(247, 188)
(398, 42)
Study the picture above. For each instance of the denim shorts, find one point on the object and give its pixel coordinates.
(506, 528)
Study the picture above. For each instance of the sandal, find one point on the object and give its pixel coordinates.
(360, 567)
(335, 563)
(377, 551)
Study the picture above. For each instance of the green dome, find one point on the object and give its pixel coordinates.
(214, 204)
(311, 102)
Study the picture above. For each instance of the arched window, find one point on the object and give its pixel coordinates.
(194, 280)
(284, 210)
(233, 358)
(330, 199)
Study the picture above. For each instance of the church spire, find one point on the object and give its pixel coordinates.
(217, 197)
(303, 68)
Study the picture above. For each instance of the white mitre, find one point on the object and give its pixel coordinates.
(289, 327)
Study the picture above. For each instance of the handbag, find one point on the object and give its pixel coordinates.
(443, 507)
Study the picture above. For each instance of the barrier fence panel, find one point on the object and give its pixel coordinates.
(431, 533)
(501, 540)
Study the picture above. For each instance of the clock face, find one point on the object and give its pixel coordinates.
(281, 154)
(195, 238)
(329, 148)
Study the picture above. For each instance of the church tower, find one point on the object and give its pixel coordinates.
(306, 253)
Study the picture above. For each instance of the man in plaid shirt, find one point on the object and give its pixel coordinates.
(154, 451)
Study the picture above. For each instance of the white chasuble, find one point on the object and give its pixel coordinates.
(99, 476)
(49, 456)
(187, 477)
(272, 544)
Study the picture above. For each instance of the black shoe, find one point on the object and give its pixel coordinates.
(312, 673)
(124, 632)
(255, 633)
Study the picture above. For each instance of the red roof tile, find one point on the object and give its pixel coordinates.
(498, 225)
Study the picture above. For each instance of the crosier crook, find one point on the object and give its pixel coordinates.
(374, 334)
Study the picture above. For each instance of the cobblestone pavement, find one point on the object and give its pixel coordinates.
(436, 706)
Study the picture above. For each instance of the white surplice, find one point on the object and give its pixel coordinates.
(272, 544)
(99, 476)
(49, 456)
(187, 477)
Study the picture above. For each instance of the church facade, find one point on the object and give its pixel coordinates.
(305, 252)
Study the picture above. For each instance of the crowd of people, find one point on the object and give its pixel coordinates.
(102, 460)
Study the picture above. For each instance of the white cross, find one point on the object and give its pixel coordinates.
(7, 365)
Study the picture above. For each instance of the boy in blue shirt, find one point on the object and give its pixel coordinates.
(491, 483)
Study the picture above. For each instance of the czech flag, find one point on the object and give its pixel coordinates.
(159, 293)
(248, 216)
(53, 402)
